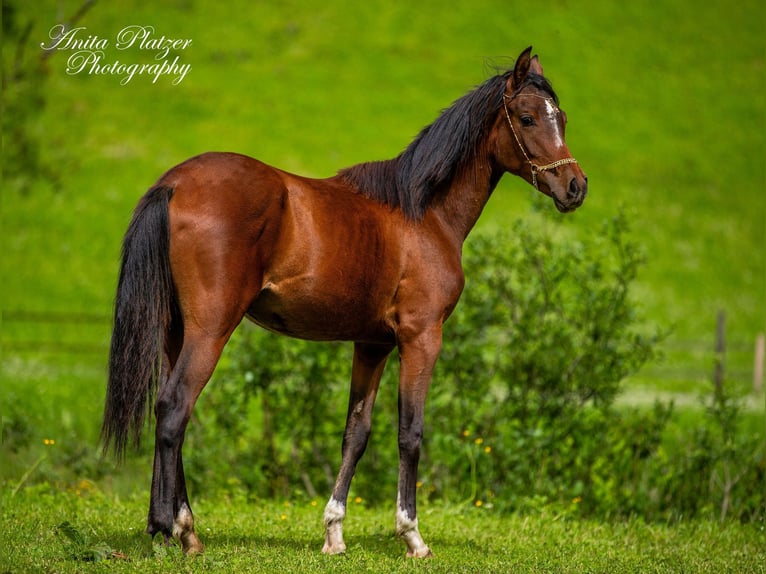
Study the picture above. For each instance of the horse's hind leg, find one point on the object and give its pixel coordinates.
(169, 509)
(183, 525)
(369, 361)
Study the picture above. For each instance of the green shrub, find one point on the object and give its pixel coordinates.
(717, 469)
(521, 397)
(272, 419)
(521, 411)
(532, 364)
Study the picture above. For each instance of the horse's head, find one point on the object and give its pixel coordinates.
(532, 136)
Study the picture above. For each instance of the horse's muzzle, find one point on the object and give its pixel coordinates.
(575, 195)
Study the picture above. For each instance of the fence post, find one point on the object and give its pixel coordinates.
(760, 351)
(720, 350)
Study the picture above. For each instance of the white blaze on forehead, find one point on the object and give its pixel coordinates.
(551, 112)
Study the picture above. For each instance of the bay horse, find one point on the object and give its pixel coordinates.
(371, 255)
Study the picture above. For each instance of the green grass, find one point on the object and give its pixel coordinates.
(245, 536)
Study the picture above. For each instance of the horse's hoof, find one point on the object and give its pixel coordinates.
(334, 549)
(424, 552)
(192, 545)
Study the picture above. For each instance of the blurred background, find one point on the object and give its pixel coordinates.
(666, 116)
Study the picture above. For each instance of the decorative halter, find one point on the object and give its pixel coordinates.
(534, 168)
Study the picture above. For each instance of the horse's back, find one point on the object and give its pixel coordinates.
(221, 179)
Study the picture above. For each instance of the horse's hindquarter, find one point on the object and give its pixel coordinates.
(224, 220)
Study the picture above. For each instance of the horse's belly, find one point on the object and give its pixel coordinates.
(318, 313)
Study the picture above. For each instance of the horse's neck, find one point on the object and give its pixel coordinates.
(463, 202)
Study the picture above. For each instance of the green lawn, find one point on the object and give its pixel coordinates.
(245, 536)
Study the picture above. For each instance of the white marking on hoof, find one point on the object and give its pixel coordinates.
(183, 530)
(407, 530)
(334, 513)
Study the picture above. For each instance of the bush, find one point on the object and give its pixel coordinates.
(532, 364)
(520, 413)
(716, 469)
(278, 406)
(521, 397)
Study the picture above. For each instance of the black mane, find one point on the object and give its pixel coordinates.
(410, 180)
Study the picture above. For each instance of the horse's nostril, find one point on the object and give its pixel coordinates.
(574, 187)
(577, 189)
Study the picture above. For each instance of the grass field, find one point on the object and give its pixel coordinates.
(666, 116)
(286, 537)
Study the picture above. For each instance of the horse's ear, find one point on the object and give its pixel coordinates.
(521, 69)
(535, 67)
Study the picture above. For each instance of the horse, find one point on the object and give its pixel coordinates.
(371, 255)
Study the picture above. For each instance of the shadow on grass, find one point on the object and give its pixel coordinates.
(382, 545)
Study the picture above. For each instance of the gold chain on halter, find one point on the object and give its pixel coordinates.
(535, 169)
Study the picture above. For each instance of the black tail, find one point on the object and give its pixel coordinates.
(142, 315)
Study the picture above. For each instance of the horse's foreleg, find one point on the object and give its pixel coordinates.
(369, 361)
(169, 509)
(418, 358)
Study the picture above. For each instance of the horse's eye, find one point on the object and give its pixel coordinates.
(527, 121)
